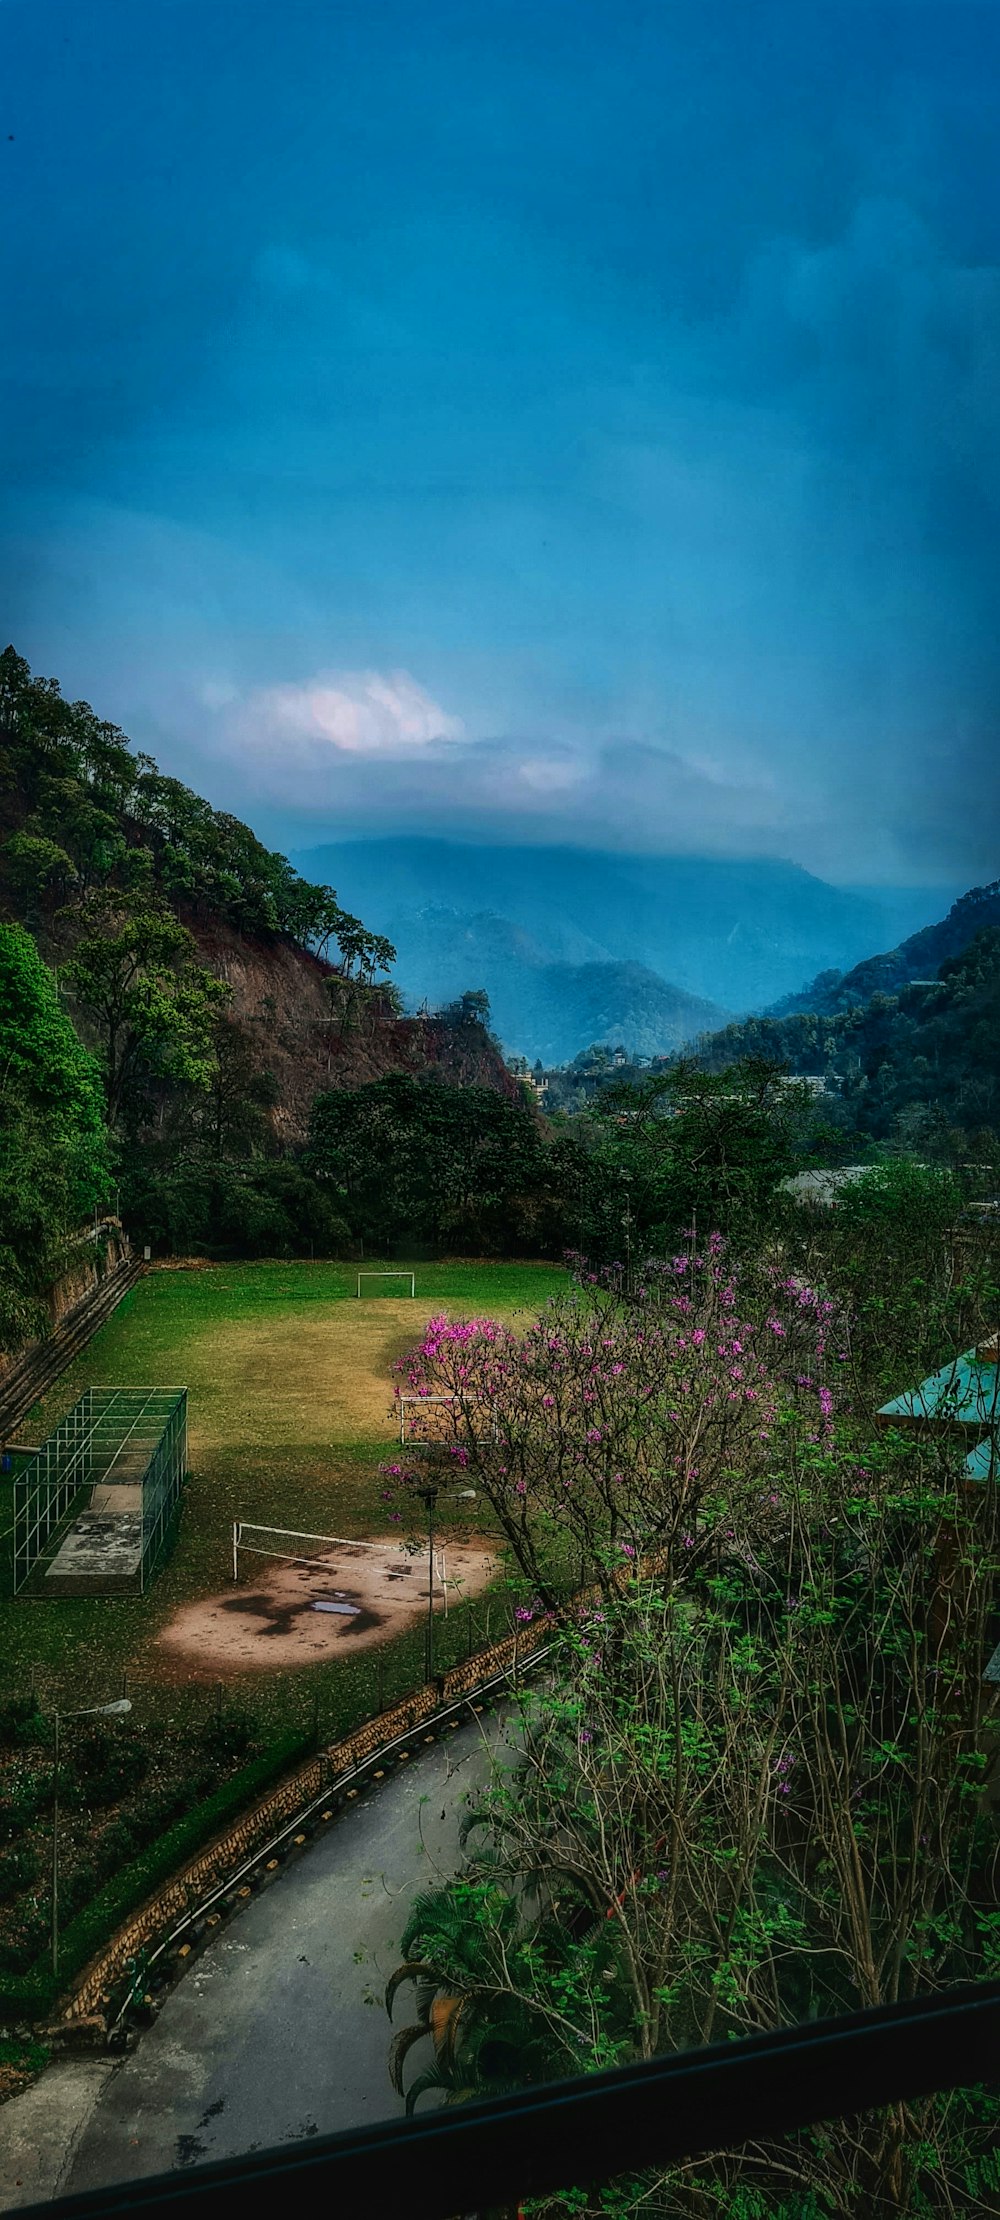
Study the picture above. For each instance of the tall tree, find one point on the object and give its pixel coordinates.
(135, 978)
(54, 1156)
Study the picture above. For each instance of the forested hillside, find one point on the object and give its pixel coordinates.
(929, 1053)
(176, 995)
(920, 956)
(197, 1035)
(734, 932)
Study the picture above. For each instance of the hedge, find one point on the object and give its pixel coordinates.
(29, 1995)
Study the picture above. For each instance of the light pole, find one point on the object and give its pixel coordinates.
(627, 1223)
(429, 1494)
(90, 1711)
(428, 1491)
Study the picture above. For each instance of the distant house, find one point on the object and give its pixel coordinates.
(983, 1463)
(814, 1081)
(963, 1397)
(820, 1189)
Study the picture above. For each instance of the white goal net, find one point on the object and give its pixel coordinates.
(330, 1553)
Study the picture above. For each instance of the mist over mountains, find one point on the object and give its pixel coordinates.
(919, 956)
(576, 945)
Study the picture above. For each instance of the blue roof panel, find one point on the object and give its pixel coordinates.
(984, 1463)
(965, 1392)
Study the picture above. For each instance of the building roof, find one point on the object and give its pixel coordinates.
(966, 1392)
(822, 1186)
(984, 1462)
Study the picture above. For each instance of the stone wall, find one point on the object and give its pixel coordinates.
(91, 1260)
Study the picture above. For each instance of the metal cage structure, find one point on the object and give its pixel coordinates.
(93, 1507)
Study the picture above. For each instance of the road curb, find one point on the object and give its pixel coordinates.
(158, 1940)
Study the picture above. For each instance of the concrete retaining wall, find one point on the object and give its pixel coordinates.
(91, 1261)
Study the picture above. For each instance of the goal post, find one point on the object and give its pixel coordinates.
(421, 1402)
(411, 1276)
(412, 1405)
(244, 1527)
(394, 1551)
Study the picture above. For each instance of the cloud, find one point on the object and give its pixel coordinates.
(551, 773)
(355, 713)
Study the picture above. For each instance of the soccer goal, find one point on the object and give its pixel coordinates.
(411, 1407)
(424, 1422)
(333, 1552)
(323, 1544)
(411, 1276)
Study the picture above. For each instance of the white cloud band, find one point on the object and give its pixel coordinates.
(354, 712)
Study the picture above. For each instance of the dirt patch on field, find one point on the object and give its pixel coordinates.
(300, 1614)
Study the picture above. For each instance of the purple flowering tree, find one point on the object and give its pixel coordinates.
(753, 1801)
(624, 1423)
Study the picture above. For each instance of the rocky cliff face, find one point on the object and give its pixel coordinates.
(313, 1031)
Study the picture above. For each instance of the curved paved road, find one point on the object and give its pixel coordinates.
(279, 2030)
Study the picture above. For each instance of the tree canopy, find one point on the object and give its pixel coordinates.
(86, 810)
(54, 1149)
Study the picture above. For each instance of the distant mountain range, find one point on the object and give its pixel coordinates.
(911, 1039)
(575, 946)
(543, 1008)
(918, 957)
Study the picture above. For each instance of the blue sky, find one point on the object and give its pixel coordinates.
(567, 421)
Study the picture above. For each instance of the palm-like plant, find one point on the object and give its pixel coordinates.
(486, 2040)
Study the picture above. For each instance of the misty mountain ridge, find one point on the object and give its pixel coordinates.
(919, 956)
(574, 946)
(543, 1008)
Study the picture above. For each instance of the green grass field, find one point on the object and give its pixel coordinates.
(290, 1414)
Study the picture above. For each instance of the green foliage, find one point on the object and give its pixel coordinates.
(54, 1165)
(134, 976)
(228, 1735)
(19, 1867)
(22, 1725)
(470, 1009)
(37, 867)
(109, 863)
(683, 1147)
(462, 1167)
(743, 1798)
(916, 1272)
(898, 1198)
(90, 813)
(33, 1993)
(258, 1208)
(21, 2057)
(102, 1765)
(926, 1046)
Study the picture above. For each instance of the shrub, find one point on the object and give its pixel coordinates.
(18, 1869)
(104, 1766)
(22, 1725)
(229, 1735)
(23, 1799)
(120, 1841)
(32, 1993)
